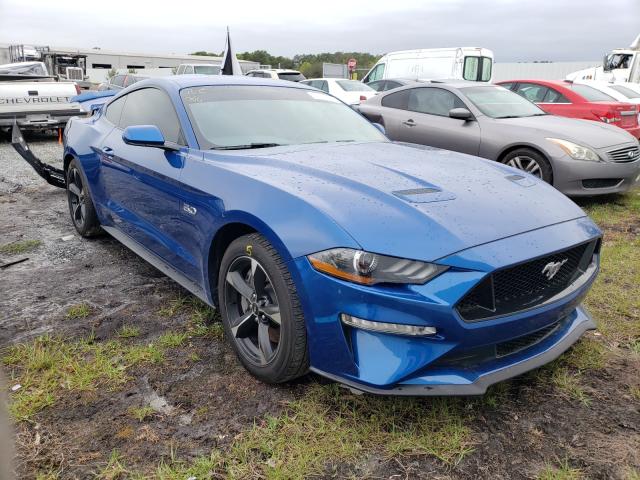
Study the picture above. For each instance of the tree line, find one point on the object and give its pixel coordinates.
(310, 64)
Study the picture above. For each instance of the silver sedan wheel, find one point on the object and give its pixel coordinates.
(526, 163)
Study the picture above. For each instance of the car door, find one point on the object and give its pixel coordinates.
(426, 121)
(141, 183)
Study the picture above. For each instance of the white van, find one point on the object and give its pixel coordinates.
(461, 63)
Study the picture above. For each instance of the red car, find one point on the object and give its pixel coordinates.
(577, 101)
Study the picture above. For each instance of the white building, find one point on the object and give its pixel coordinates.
(99, 61)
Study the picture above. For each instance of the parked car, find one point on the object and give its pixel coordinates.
(118, 82)
(459, 63)
(618, 92)
(576, 100)
(392, 268)
(576, 156)
(277, 74)
(390, 84)
(350, 92)
(198, 68)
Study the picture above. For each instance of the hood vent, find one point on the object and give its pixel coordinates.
(521, 180)
(423, 195)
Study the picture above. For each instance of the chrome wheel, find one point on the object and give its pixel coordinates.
(77, 197)
(253, 310)
(528, 164)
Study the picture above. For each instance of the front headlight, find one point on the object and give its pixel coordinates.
(370, 268)
(578, 152)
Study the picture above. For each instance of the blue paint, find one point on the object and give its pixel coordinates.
(395, 199)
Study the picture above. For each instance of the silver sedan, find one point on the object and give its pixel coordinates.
(578, 157)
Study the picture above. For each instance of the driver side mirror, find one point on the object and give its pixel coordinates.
(146, 136)
(461, 114)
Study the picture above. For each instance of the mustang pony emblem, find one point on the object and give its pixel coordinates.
(552, 268)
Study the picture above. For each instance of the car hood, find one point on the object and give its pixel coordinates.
(407, 200)
(585, 132)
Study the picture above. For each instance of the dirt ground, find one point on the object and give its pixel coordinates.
(206, 404)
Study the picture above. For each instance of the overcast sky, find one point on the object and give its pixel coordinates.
(516, 30)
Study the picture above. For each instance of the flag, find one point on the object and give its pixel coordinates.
(230, 64)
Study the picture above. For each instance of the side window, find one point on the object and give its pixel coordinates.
(391, 85)
(378, 85)
(188, 69)
(180, 70)
(118, 80)
(377, 73)
(114, 110)
(532, 92)
(250, 74)
(324, 86)
(471, 65)
(150, 106)
(553, 96)
(434, 101)
(508, 86)
(398, 100)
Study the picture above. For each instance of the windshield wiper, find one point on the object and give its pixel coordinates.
(247, 146)
(510, 116)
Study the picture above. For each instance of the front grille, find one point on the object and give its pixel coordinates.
(527, 284)
(517, 344)
(624, 155)
(601, 182)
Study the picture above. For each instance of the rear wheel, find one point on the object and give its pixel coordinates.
(531, 162)
(83, 213)
(261, 312)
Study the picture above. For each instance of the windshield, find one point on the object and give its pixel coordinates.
(627, 92)
(590, 94)
(498, 102)
(291, 76)
(229, 117)
(354, 86)
(207, 69)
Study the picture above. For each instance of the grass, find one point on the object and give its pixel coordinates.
(128, 331)
(81, 310)
(142, 413)
(22, 246)
(326, 427)
(561, 472)
(48, 366)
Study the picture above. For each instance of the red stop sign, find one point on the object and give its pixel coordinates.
(351, 63)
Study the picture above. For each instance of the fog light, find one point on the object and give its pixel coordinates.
(395, 328)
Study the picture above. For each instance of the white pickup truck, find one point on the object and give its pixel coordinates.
(34, 101)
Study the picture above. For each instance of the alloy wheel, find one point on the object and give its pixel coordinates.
(253, 310)
(77, 197)
(526, 163)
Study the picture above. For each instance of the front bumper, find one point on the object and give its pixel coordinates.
(401, 365)
(465, 384)
(581, 178)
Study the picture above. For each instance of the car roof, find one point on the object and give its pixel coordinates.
(178, 82)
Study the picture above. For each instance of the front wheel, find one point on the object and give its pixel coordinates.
(261, 312)
(531, 162)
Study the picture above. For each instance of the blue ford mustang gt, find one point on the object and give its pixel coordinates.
(392, 268)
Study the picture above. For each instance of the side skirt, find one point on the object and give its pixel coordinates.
(157, 262)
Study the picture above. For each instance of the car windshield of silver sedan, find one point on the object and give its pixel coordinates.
(241, 117)
(498, 102)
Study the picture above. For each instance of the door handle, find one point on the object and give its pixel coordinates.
(107, 151)
(409, 123)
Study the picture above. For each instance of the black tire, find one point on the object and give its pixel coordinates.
(530, 161)
(81, 209)
(271, 295)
